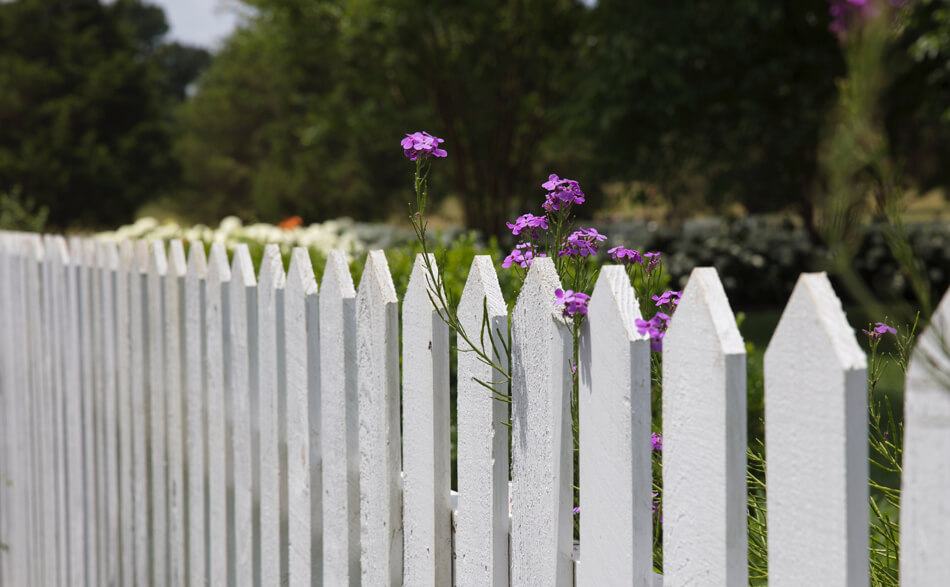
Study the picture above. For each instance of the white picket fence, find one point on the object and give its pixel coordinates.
(173, 421)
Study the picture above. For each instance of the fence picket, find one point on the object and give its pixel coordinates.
(108, 262)
(541, 446)
(925, 483)
(127, 272)
(427, 513)
(704, 438)
(481, 535)
(816, 443)
(138, 308)
(95, 435)
(301, 349)
(377, 340)
(174, 408)
(219, 275)
(243, 317)
(155, 326)
(196, 493)
(268, 474)
(339, 425)
(615, 470)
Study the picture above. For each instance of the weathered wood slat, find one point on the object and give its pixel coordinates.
(816, 443)
(704, 439)
(377, 339)
(138, 309)
(108, 262)
(155, 325)
(195, 440)
(481, 534)
(127, 272)
(541, 446)
(219, 276)
(615, 466)
(339, 425)
(925, 512)
(427, 514)
(243, 320)
(270, 282)
(92, 358)
(300, 337)
(174, 409)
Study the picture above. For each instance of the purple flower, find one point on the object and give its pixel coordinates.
(422, 144)
(583, 242)
(528, 221)
(561, 193)
(847, 15)
(652, 260)
(577, 510)
(656, 441)
(523, 255)
(656, 328)
(668, 297)
(879, 330)
(622, 255)
(575, 303)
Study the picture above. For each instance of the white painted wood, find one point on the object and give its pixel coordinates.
(219, 274)
(541, 446)
(426, 442)
(816, 443)
(299, 339)
(92, 359)
(21, 536)
(138, 307)
(174, 409)
(196, 491)
(314, 437)
(339, 426)
(83, 262)
(243, 371)
(704, 439)
(377, 340)
(481, 536)
(108, 261)
(155, 325)
(125, 275)
(270, 280)
(72, 413)
(615, 466)
(925, 483)
(7, 438)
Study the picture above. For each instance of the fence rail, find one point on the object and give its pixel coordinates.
(178, 420)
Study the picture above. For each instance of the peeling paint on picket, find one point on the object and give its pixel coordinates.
(816, 443)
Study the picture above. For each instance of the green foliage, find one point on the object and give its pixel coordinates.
(18, 213)
(83, 128)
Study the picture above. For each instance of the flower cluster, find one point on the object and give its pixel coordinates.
(422, 144)
(583, 242)
(656, 328)
(668, 300)
(625, 256)
(656, 441)
(878, 330)
(527, 221)
(575, 303)
(652, 261)
(561, 193)
(523, 255)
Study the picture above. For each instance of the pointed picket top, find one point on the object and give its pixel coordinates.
(177, 263)
(33, 247)
(140, 250)
(272, 268)
(816, 404)
(157, 260)
(197, 261)
(925, 481)
(60, 250)
(481, 534)
(76, 250)
(377, 340)
(704, 438)
(242, 268)
(218, 269)
(107, 255)
(127, 256)
(338, 426)
(541, 453)
(427, 513)
(244, 359)
(337, 280)
(615, 466)
(300, 279)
